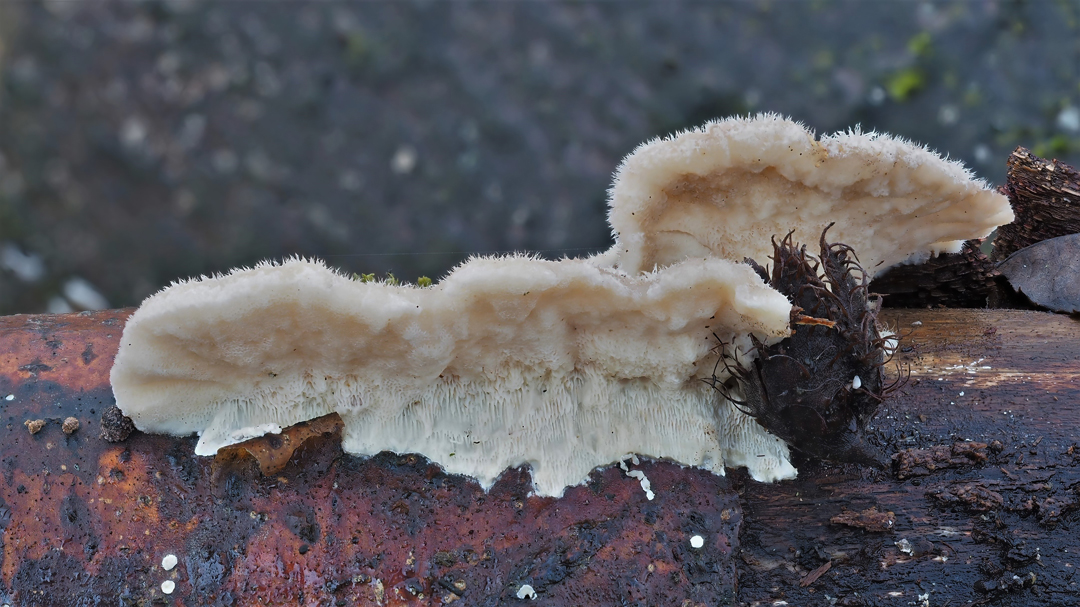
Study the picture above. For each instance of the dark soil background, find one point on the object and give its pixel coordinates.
(141, 142)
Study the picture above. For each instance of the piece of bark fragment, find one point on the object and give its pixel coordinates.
(1053, 508)
(1045, 197)
(115, 426)
(70, 425)
(1048, 273)
(921, 462)
(273, 451)
(34, 425)
(870, 520)
(967, 279)
(972, 497)
(815, 574)
(1009, 582)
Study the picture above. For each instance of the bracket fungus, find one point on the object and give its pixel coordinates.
(562, 365)
(727, 188)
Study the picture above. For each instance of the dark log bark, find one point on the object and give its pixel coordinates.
(85, 518)
(967, 279)
(1045, 197)
(1005, 379)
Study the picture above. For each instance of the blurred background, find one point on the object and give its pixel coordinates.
(141, 142)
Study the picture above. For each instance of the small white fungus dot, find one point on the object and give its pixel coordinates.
(9, 397)
(697, 541)
(168, 562)
(856, 382)
(526, 592)
(168, 586)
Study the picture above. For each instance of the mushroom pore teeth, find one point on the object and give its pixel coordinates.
(568, 365)
(804, 388)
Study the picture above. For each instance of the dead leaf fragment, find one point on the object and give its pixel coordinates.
(1048, 273)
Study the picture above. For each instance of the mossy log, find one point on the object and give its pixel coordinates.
(981, 505)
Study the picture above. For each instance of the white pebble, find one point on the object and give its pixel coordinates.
(168, 562)
(168, 586)
(697, 541)
(526, 592)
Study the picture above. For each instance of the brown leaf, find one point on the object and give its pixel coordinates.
(1048, 273)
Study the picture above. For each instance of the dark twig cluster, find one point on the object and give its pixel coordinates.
(818, 388)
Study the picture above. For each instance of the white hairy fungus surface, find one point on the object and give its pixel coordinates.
(727, 188)
(561, 365)
(168, 562)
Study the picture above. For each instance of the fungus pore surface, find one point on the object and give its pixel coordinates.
(561, 365)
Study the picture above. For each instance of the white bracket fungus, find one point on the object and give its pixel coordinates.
(727, 188)
(559, 364)
(563, 365)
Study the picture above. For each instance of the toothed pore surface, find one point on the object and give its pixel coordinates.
(560, 365)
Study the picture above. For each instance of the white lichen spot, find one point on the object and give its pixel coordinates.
(856, 382)
(168, 586)
(168, 562)
(380, 591)
(697, 542)
(526, 592)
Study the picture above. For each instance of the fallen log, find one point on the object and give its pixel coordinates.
(980, 506)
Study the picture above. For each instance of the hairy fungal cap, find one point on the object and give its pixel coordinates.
(562, 365)
(727, 188)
